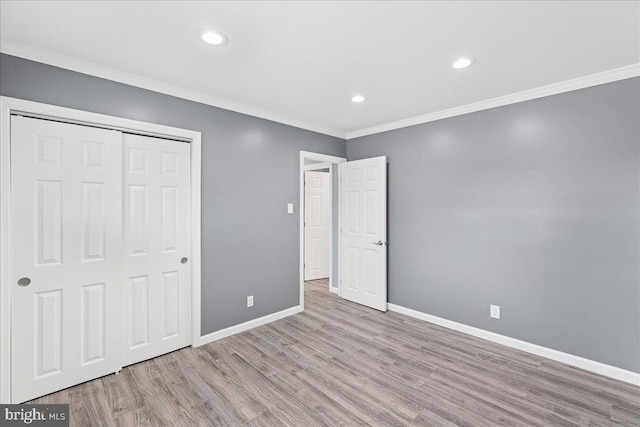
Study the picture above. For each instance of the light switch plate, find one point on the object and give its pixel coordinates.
(289, 207)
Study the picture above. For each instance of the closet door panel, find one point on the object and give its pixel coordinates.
(67, 254)
(156, 305)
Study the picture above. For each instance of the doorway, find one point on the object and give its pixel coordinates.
(358, 223)
(319, 220)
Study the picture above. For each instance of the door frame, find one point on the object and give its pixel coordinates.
(324, 161)
(10, 106)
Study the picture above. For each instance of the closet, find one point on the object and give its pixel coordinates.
(100, 249)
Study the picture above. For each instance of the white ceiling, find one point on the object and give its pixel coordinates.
(300, 62)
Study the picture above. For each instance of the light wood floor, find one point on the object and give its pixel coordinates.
(339, 363)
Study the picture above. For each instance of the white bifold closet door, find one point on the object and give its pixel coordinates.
(156, 293)
(100, 248)
(67, 255)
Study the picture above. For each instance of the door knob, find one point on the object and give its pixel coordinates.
(24, 281)
(184, 260)
(379, 243)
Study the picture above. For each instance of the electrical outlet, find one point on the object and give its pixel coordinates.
(250, 301)
(289, 207)
(494, 311)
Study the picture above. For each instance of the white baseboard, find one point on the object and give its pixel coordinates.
(559, 356)
(569, 359)
(333, 290)
(236, 329)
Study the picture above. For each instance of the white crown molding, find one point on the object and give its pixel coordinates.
(552, 89)
(559, 356)
(13, 48)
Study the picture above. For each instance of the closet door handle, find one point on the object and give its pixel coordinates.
(24, 281)
(184, 260)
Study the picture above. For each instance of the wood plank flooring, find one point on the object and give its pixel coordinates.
(341, 364)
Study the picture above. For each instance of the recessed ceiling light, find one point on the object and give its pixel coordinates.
(214, 38)
(464, 62)
(358, 98)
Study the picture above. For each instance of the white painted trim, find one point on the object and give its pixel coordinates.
(318, 157)
(559, 356)
(323, 158)
(21, 50)
(5, 253)
(526, 95)
(317, 166)
(338, 286)
(236, 329)
(196, 237)
(35, 109)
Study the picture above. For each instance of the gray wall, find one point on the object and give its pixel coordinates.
(534, 207)
(250, 245)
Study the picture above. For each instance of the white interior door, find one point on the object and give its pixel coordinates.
(363, 236)
(156, 296)
(317, 225)
(67, 253)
